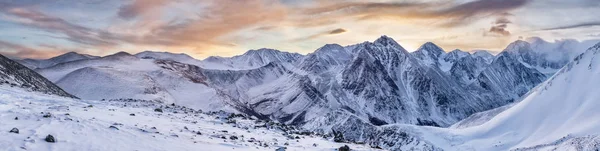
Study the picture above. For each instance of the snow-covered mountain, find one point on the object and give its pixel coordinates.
(485, 55)
(44, 63)
(250, 59)
(123, 75)
(559, 114)
(14, 74)
(379, 82)
(334, 89)
(547, 57)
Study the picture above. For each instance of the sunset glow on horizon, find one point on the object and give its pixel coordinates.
(202, 28)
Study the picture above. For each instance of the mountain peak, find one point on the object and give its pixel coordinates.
(260, 51)
(386, 41)
(514, 46)
(431, 47)
(121, 53)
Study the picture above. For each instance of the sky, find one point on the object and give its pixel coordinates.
(202, 28)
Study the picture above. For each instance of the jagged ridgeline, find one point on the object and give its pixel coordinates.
(348, 91)
(378, 82)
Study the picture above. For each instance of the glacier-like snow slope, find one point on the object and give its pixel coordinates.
(134, 125)
(558, 114)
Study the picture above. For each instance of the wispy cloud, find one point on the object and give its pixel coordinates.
(20, 51)
(140, 7)
(73, 32)
(321, 34)
(451, 14)
(580, 25)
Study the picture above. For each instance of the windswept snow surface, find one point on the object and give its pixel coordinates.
(108, 125)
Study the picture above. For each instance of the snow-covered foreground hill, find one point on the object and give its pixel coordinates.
(135, 125)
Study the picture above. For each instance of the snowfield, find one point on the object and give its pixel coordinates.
(135, 125)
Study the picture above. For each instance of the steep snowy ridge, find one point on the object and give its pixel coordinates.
(325, 58)
(508, 77)
(485, 55)
(466, 69)
(44, 63)
(17, 75)
(560, 113)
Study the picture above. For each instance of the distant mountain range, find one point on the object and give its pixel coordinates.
(334, 89)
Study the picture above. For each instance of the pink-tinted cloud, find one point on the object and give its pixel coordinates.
(140, 7)
(19, 51)
(73, 32)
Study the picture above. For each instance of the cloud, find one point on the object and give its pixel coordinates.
(214, 23)
(499, 30)
(337, 31)
(502, 20)
(220, 19)
(581, 25)
(75, 33)
(321, 34)
(140, 7)
(451, 14)
(19, 51)
(499, 26)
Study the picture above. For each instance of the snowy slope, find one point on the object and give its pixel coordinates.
(123, 75)
(16, 75)
(134, 125)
